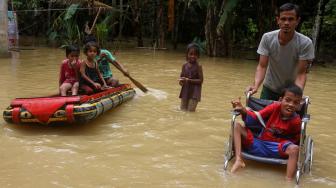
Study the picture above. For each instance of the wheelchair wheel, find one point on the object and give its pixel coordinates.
(309, 155)
(297, 177)
(228, 153)
(226, 163)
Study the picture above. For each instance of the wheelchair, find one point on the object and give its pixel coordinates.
(306, 146)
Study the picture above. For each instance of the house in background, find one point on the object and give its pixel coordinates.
(13, 32)
(3, 28)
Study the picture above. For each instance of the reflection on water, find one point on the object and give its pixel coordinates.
(148, 141)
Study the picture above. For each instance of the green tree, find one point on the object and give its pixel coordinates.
(65, 28)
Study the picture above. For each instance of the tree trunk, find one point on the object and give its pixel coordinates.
(176, 25)
(274, 8)
(3, 28)
(179, 18)
(318, 26)
(154, 25)
(121, 22)
(266, 16)
(210, 30)
(260, 19)
(171, 15)
(49, 14)
(216, 37)
(161, 37)
(138, 23)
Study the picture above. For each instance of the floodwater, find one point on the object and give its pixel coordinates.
(148, 141)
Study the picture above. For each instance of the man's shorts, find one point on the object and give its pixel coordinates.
(261, 148)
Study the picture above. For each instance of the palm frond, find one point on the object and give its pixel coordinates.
(85, 3)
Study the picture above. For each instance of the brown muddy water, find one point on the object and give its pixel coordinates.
(148, 141)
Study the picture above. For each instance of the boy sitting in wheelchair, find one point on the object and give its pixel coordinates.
(280, 135)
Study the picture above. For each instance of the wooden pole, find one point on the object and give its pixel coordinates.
(135, 82)
(3, 28)
(95, 20)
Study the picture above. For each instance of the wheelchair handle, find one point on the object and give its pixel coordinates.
(248, 95)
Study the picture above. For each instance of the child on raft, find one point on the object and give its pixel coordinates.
(103, 59)
(91, 79)
(69, 73)
(280, 136)
(191, 79)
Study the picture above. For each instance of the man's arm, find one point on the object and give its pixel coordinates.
(118, 66)
(108, 56)
(125, 71)
(302, 73)
(259, 74)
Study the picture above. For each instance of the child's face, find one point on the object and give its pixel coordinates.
(92, 52)
(192, 56)
(290, 103)
(73, 56)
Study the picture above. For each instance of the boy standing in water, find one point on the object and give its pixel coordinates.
(191, 79)
(279, 138)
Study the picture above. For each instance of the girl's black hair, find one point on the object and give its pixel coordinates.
(71, 48)
(90, 45)
(195, 47)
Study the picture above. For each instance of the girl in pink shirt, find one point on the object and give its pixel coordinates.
(69, 75)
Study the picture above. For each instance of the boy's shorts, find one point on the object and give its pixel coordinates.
(261, 148)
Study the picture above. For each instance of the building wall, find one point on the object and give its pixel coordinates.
(3, 28)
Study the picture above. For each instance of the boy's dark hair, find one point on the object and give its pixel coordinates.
(293, 88)
(71, 48)
(289, 7)
(90, 45)
(195, 47)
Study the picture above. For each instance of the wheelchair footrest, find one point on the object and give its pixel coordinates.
(264, 159)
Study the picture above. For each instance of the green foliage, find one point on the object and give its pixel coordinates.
(106, 26)
(229, 6)
(30, 4)
(237, 20)
(307, 28)
(200, 43)
(71, 11)
(252, 31)
(329, 24)
(102, 33)
(65, 28)
(200, 3)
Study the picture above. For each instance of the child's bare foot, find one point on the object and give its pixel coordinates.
(239, 163)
